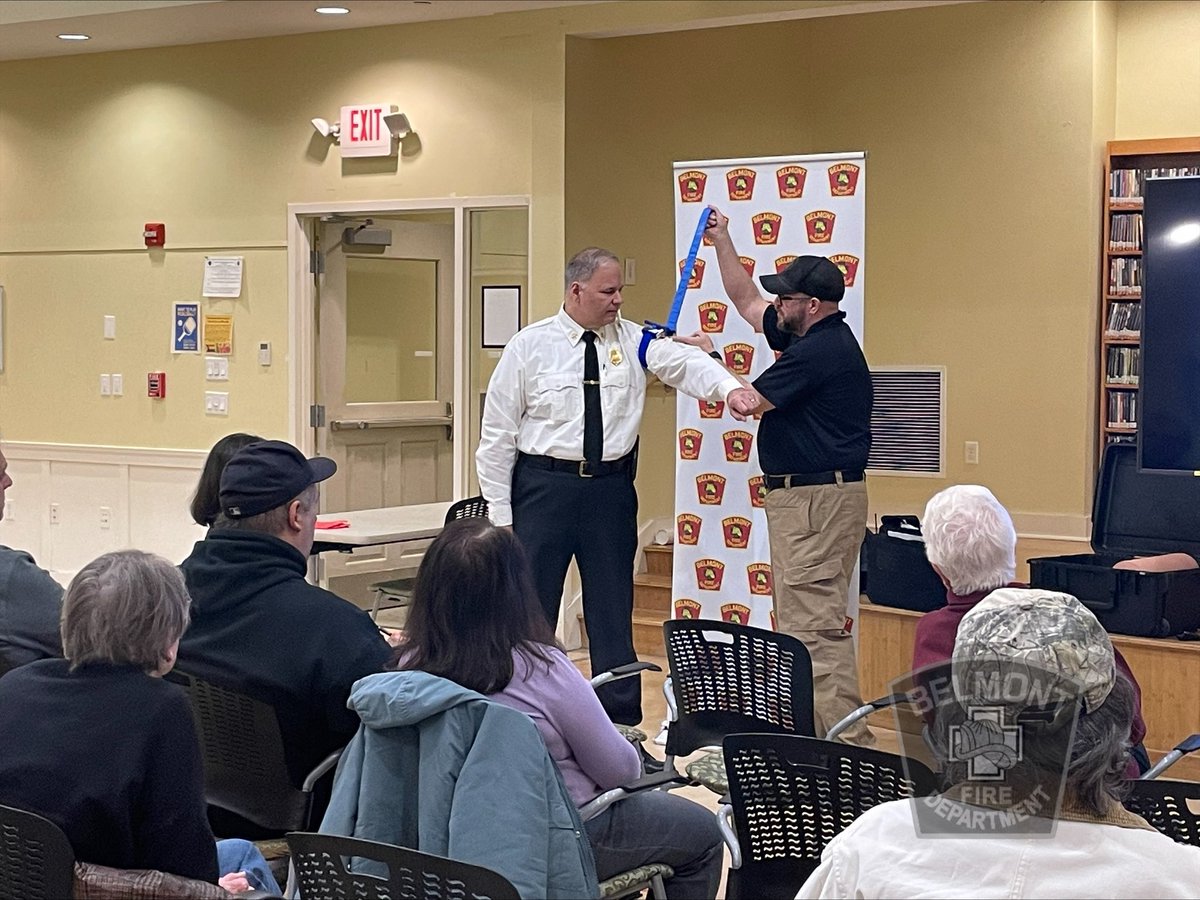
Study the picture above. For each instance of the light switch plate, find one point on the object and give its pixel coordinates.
(216, 403)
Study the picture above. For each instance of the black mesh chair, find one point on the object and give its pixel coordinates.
(397, 593)
(36, 859)
(725, 679)
(322, 868)
(790, 795)
(1173, 807)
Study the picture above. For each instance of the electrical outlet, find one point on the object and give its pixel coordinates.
(105, 385)
(971, 453)
(118, 384)
(106, 517)
(53, 513)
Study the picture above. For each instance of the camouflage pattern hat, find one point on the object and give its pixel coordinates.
(1045, 646)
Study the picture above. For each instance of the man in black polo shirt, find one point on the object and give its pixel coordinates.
(812, 445)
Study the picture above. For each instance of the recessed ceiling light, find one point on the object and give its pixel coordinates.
(74, 37)
(332, 10)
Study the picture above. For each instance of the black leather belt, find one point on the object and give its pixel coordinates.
(806, 479)
(581, 467)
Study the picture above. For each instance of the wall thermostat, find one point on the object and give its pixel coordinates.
(264, 353)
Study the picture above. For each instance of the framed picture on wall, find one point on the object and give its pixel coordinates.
(501, 313)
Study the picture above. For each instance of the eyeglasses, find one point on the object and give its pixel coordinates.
(800, 298)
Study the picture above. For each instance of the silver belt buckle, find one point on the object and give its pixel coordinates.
(583, 472)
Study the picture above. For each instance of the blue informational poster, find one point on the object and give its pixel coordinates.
(185, 328)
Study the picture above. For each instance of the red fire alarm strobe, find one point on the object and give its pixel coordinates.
(156, 384)
(155, 234)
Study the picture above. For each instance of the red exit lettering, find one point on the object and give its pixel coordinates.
(365, 124)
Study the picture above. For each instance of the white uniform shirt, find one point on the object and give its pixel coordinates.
(881, 855)
(534, 401)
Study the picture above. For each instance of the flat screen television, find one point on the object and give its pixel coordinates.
(1169, 384)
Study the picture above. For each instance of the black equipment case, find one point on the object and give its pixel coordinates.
(898, 572)
(1134, 514)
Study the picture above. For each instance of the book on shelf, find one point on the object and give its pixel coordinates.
(1125, 232)
(1128, 184)
(1124, 320)
(1125, 277)
(1124, 365)
(1122, 409)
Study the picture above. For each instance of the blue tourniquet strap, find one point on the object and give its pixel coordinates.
(652, 330)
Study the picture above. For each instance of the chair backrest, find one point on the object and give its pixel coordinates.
(467, 508)
(36, 859)
(730, 678)
(791, 795)
(323, 872)
(245, 768)
(1164, 804)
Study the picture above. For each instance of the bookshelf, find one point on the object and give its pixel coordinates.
(1127, 165)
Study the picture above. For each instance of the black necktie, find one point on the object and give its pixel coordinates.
(593, 420)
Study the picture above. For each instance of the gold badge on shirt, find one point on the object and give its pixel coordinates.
(614, 356)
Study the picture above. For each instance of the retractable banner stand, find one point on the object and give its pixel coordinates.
(778, 208)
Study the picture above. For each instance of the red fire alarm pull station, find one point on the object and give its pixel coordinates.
(155, 234)
(156, 384)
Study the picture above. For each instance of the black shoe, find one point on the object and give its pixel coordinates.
(650, 765)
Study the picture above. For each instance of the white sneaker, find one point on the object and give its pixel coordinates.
(661, 740)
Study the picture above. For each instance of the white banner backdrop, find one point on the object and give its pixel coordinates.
(778, 208)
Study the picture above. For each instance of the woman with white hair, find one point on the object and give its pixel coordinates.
(972, 545)
(102, 746)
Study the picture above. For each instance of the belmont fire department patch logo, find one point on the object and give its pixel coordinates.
(710, 488)
(687, 528)
(736, 531)
(758, 491)
(739, 357)
(689, 443)
(737, 445)
(766, 227)
(687, 609)
(848, 264)
(791, 182)
(712, 409)
(735, 613)
(712, 316)
(760, 578)
(740, 183)
(747, 264)
(843, 179)
(819, 225)
(691, 186)
(709, 573)
(697, 277)
(782, 262)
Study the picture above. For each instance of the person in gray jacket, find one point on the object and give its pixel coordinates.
(30, 602)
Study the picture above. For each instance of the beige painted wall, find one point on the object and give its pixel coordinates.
(983, 124)
(1158, 69)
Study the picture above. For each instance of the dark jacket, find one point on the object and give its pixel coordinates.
(934, 643)
(444, 770)
(258, 627)
(30, 604)
(109, 754)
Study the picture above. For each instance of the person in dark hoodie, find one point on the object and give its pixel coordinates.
(258, 627)
(972, 545)
(30, 602)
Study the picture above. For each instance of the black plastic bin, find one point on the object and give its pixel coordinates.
(1134, 514)
(898, 572)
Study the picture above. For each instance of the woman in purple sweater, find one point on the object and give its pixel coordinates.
(475, 620)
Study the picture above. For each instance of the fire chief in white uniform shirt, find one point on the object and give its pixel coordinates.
(558, 452)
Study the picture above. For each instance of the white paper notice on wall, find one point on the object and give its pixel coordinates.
(222, 276)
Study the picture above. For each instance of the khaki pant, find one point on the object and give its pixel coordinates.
(815, 535)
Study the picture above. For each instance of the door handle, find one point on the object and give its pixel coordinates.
(417, 422)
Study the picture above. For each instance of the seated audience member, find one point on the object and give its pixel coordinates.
(1036, 697)
(105, 748)
(206, 502)
(476, 620)
(972, 545)
(30, 602)
(258, 627)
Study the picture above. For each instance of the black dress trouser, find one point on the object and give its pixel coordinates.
(558, 515)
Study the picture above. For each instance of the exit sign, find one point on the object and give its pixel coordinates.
(363, 131)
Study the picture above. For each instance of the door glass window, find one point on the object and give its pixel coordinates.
(391, 329)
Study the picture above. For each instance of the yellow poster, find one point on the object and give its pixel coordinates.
(218, 334)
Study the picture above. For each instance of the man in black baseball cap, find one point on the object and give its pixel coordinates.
(813, 442)
(258, 626)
